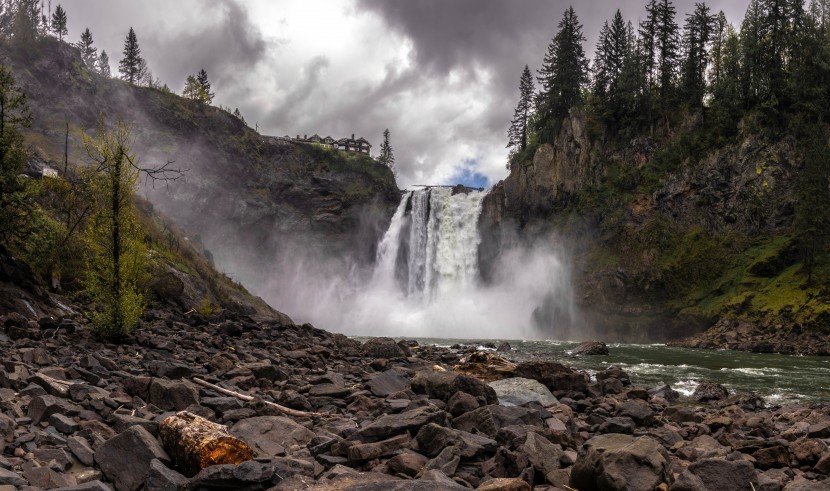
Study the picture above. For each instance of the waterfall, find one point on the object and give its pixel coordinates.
(431, 246)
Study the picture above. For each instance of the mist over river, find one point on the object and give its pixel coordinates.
(779, 379)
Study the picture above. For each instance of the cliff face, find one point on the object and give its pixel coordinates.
(241, 191)
(664, 247)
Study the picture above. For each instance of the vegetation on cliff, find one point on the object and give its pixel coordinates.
(692, 170)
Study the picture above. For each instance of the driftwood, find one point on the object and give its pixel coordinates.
(244, 397)
(195, 443)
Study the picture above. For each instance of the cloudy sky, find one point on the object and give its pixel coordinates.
(441, 75)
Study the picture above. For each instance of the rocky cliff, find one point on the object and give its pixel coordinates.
(241, 191)
(667, 237)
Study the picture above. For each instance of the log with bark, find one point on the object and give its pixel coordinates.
(195, 443)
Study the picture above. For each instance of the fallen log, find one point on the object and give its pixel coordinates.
(245, 397)
(195, 443)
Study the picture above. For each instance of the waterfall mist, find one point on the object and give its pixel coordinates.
(426, 281)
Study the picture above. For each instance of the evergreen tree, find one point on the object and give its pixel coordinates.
(387, 157)
(812, 217)
(697, 37)
(15, 203)
(24, 28)
(667, 48)
(517, 135)
(59, 22)
(130, 66)
(238, 114)
(88, 52)
(600, 64)
(207, 95)
(719, 33)
(564, 72)
(104, 64)
(193, 89)
(751, 55)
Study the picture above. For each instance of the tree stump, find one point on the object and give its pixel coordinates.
(195, 443)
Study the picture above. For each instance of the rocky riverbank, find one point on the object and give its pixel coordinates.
(739, 335)
(79, 413)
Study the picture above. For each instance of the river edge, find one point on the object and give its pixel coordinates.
(400, 417)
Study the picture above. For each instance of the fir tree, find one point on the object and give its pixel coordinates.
(719, 34)
(88, 52)
(130, 65)
(667, 48)
(238, 114)
(697, 36)
(387, 157)
(600, 65)
(104, 64)
(15, 203)
(59, 22)
(207, 95)
(564, 72)
(517, 135)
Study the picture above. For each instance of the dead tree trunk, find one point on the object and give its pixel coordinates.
(195, 443)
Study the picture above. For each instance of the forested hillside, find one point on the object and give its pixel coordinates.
(686, 166)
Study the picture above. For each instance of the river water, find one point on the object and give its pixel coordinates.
(779, 379)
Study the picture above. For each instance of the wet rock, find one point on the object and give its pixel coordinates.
(718, 474)
(382, 348)
(136, 446)
(710, 391)
(637, 410)
(664, 391)
(589, 348)
(520, 391)
(682, 414)
(620, 462)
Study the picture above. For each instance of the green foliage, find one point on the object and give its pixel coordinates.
(387, 156)
(130, 66)
(115, 251)
(15, 195)
(59, 21)
(195, 90)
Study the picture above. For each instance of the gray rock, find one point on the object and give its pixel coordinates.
(384, 448)
(719, 474)
(665, 391)
(64, 424)
(136, 446)
(446, 461)
(387, 383)
(589, 348)
(382, 348)
(172, 396)
(163, 478)
(555, 376)
(519, 391)
(46, 478)
(432, 439)
(80, 449)
(395, 424)
(11, 478)
(88, 486)
(543, 454)
(490, 419)
(620, 462)
(270, 435)
(710, 391)
(409, 464)
(637, 410)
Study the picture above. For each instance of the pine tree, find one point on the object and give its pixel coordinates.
(517, 135)
(667, 48)
(130, 65)
(751, 55)
(238, 114)
(15, 203)
(59, 22)
(207, 95)
(600, 66)
(387, 157)
(648, 42)
(88, 52)
(697, 36)
(104, 64)
(719, 33)
(563, 74)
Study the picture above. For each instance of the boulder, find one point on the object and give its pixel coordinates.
(620, 462)
(433, 438)
(135, 446)
(395, 424)
(718, 474)
(505, 484)
(269, 436)
(442, 386)
(384, 448)
(172, 396)
(710, 391)
(387, 383)
(589, 348)
(462, 402)
(519, 391)
(543, 454)
(664, 391)
(382, 348)
(555, 376)
(409, 464)
(637, 410)
(490, 419)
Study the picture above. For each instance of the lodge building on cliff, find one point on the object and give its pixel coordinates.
(348, 144)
